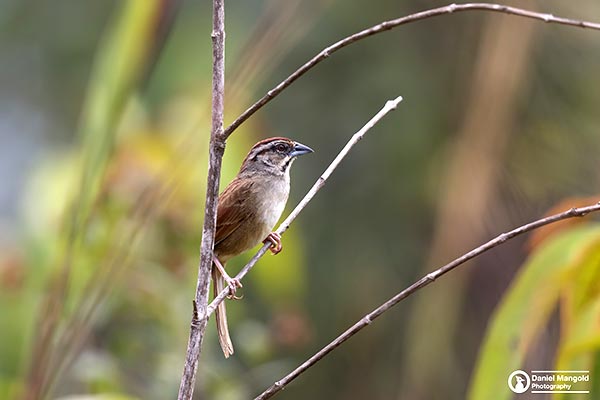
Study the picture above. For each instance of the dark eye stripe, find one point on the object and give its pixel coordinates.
(267, 144)
(259, 150)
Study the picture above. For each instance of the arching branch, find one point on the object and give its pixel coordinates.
(391, 24)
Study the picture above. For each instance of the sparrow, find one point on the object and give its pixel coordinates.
(248, 209)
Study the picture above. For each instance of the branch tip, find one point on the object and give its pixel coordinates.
(394, 103)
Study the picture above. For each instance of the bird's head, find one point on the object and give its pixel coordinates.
(273, 156)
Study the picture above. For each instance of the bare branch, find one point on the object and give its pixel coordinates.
(389, 106)
(216, 150)
(424, 281)
(386, 26)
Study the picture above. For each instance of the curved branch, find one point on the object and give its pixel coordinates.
(386, 26)
(389, 106)
(424, 281)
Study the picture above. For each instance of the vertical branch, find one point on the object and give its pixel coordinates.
(216, 149)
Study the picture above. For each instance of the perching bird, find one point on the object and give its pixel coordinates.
(248, 209)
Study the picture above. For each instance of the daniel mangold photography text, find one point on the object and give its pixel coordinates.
(545, 381)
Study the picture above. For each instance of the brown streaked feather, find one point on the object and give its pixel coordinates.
(231, 211)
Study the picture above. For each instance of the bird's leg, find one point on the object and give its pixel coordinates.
(233, 283)
(275, 239)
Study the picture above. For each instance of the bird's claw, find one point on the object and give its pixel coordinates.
(275, 239)
(234, 284)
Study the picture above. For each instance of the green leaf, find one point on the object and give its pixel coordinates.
(525, 309)
(578, 348)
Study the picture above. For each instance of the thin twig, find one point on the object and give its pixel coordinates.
(389, 106)
(387, 25)
(424, 281)
(216, 150)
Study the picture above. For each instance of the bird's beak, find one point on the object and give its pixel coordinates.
(300, 149)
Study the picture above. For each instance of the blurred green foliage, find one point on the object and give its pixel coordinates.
(565, 270)
(102, 195)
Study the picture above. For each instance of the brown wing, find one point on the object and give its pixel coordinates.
(230, 212)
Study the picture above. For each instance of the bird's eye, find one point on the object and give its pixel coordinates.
(281, 147)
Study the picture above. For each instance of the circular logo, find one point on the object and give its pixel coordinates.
(519, 381)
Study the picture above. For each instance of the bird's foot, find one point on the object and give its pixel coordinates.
(275, 239)
(232, 283)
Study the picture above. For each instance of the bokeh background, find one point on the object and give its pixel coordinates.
(104, 124)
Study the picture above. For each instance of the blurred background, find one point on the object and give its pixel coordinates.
(104, 124)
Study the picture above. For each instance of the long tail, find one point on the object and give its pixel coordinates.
(221, 315)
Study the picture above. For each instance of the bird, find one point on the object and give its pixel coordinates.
(247, 211)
